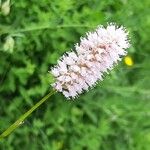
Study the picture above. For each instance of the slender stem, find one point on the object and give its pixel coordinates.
(24, 116)
(9, 30)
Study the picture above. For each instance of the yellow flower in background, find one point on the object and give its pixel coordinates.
(128, 61)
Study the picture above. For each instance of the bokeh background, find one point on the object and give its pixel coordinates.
(115, 115)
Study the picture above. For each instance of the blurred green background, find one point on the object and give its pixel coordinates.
(115, 115)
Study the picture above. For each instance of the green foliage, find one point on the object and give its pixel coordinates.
(115, 115)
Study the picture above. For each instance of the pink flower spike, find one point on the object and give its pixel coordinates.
(96, 54)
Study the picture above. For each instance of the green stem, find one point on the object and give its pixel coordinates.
(24, 116)
(9, 30)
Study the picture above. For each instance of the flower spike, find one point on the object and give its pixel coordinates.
(97, 53)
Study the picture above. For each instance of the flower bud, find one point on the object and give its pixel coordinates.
(9, 44)
(5, 8)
